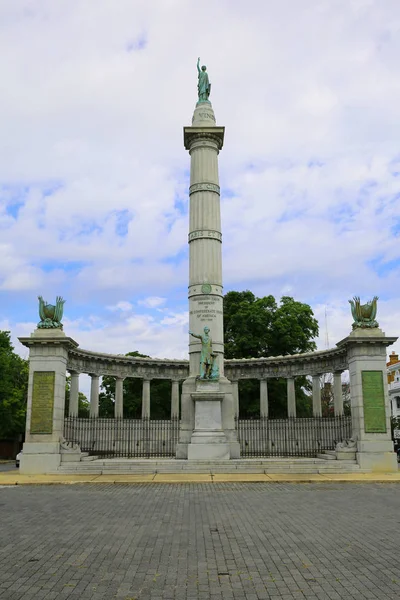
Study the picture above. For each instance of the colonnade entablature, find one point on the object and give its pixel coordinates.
(293, 365)
(121, 366)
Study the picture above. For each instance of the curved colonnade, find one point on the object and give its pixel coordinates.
(289, 367)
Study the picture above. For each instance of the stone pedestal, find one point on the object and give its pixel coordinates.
(370, 410)
(48, 353)
(197, 399)
(208, 440)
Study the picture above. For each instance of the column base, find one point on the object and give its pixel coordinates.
(40, 458)
(209, 451)
(378, 457)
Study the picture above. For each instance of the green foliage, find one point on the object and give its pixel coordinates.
(13, 389)
(256, 327)
(259, 327)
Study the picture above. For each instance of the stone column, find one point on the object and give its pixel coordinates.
(263, 398)
(74, 394)
(94, 395)
(48, 356)
(146, 399)
(370, 409)
(291, 397)
(119, 398)
(235, 393)
(316, 396)
(204, 140)
(338, 394)
(175, 399)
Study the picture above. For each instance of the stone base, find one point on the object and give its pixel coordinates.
(207, 417)
(341, 455)
(181, 451)
(40, 458)
(34, 464)
(378, 462)
(234, 449)
(345, 455)
(71, 457)
(208, 452)
(377, 456)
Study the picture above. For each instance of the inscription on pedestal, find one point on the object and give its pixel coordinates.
(42, 402)
(374, 402)
(206, 308)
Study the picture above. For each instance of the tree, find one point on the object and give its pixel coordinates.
(259, 327)
(13, 389)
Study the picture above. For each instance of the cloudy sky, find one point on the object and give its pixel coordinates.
(94, 176)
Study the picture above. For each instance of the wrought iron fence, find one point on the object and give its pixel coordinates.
(291, 437)
(136, 438)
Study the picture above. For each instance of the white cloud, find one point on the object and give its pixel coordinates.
(152, 302)
(122, 305)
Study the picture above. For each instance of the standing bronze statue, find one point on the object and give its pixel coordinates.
(208, 366)
(204, 85)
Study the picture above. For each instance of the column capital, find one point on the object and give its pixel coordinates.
(192, 135)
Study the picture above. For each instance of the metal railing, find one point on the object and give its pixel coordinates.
(136, 438)
(292, 436)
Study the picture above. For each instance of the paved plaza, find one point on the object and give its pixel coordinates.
(200, 541)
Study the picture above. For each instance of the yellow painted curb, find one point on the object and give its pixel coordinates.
(182, 478)
(294, 477)
(363, 477)
(18, 479)
(239, 477)
(123, 478)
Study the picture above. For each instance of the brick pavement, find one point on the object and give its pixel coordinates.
(200, 541)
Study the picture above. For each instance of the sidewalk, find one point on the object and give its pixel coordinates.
(7, 478)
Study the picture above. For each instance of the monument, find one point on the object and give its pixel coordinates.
(209, 400)
(208, 416)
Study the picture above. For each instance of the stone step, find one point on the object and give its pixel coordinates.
(88, 458)
(327, 456)
(194, 465)
(143, 467)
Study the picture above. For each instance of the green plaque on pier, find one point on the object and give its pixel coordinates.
(42, 402)
(374, 402)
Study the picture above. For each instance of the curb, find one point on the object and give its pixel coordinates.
(12, 480)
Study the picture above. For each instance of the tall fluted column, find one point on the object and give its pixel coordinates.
(291, 397)
(316, 396)
(94, 395)
(119, 397)
(74, 394)
(146, 399)
(204, 140)
(338, 394)
(207, 426)
(175, 399)
(264, 398)
(235, 393)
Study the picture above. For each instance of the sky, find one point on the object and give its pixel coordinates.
(94, 176)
